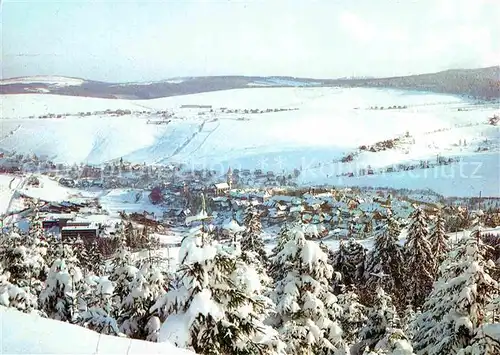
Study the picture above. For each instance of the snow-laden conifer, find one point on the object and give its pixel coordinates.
(122, 274)
(350, 260)
(15, 296)
(136, 320)
(23, 259)
(382, 320)
(60, 297)
(353, 316)
(458, 304)
(485, 342)
(251, 240)
(96, 310)
(385, 262)
(216, 305)
(439, 241)
(308, 313)
(420, 263)
(394, 342)
(408, 321)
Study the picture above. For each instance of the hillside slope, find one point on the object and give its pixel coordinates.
(481, 83)
(316, 129)
(478, 83)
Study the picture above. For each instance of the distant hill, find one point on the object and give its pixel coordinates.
(481, 83)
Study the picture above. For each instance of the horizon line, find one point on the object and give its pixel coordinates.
(244, 76)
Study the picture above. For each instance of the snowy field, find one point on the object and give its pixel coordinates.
(477, 174)
(21, 333)
(57, 81)
(6, 192)
(128, 200)
(329, 123)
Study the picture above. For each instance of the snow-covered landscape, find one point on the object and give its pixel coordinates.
(163, 220)
(248, 178)
(325, 125)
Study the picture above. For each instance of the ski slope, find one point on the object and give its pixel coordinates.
(329, 123)
(30, 334)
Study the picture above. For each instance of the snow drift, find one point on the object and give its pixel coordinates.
(30, 334)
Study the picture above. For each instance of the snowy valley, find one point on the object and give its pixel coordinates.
(334, 136)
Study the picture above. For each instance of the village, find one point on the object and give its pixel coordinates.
(163, 116)
(164, 199)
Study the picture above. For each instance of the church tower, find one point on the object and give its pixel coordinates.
(230, 178)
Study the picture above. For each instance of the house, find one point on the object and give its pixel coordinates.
(221, 188)
(49, 224)
(197, 106)
(222, 202)
(182, 213)
(61, 208)
(67, 182)
(281, 207)
(276, 215)
(58, 221)
(156, 195)
(78, 224)
(296, 209)
(86, 233)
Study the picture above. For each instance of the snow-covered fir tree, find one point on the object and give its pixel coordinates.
(492, 241)
(81, 254)
(439, 241)
(408, 320)
(341, 263)
(216, 305)
(308, 313)
(15, 296)
(36, 226)
(420, 263)
(457, 306)
(353, 316)
(394, 342)
(22, 257)
(487, 336)
(385, 262)
(251, 240)
(123, 273)
(284, 236)
(96, 310)
(135, 319)
(95, 257)
(350, 260)
(486, 341)
(60, 297)
(382, 321)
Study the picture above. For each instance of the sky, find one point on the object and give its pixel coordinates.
(126, 41)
